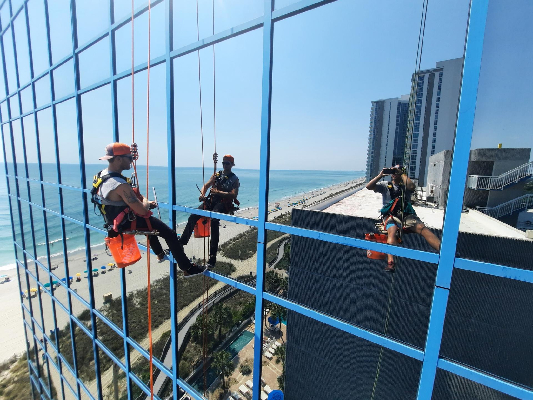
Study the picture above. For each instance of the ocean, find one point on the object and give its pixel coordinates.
(282, 184)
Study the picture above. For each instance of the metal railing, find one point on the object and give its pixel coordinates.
(479, 182)
(519, 204)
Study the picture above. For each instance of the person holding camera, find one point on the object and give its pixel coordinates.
(398, 214)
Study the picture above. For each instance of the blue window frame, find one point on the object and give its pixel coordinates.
(10, 111)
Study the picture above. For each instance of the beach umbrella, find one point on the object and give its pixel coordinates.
(47, 284)
(64, 279)
(103, 267)
(110, 264)
(78, 274)
(55, 282)
(85, 271)
(3, 276)
(33, 290)
(95, 269)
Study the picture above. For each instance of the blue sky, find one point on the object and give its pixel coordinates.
(329, 64)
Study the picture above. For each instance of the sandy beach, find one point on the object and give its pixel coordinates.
(12, 329)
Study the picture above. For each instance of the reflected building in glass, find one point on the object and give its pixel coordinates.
(386, 139)
(435, 113)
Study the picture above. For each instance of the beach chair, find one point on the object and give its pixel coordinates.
(267, 389)
(243, 390)
(269, 355)
(250, 384)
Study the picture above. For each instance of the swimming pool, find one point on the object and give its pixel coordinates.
(234, 348)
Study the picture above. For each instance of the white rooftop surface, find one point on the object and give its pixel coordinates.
(366, 203)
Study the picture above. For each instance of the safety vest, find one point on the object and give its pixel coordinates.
(108, 209)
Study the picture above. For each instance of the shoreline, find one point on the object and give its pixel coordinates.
(108, 282)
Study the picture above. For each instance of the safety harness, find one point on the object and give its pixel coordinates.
(116, 213)
(225, 183)
(397, 208)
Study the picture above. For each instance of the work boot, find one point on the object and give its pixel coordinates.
(194, 270)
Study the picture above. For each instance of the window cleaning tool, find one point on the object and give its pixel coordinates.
(155, 199)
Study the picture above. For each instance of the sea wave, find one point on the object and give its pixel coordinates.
(50, 242)
(8, 267)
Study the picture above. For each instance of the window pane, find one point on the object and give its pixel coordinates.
(498, 194)
(60, 32)
(92, 19)
(39, 42)
(21, 38)
(63, 80)
(94, 63)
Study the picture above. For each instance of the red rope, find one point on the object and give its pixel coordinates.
(147, 191)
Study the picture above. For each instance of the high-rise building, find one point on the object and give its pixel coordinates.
(386, 139)
(436, 99)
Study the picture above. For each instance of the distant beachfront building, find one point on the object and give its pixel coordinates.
(390, 142)
(386, 139)
(435, 113)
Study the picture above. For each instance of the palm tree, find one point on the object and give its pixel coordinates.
(223, 365)
(221, 316)
(278, 312)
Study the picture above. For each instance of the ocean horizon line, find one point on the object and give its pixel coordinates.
(197, 167)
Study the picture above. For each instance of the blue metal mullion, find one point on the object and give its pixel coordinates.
(465, 122)
(116, 138)
(15, 172)
(81, 154)
(266, 109)
(11, 18)
(354, 242)
(61, 206)
(14, 236)
(171, 162)
(32, 226)
(11, 206)
(52, 95)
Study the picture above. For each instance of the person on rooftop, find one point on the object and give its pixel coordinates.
(224, 191)
(397, 212)
(123, 205)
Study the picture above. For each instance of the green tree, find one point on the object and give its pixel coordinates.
(221, 316)
(197, 330)
(280, 354)
(223, 365)
(278, 312)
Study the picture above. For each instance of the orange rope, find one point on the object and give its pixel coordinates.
(204, 299)
(147, 191)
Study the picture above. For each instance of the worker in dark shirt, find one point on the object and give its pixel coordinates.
(224, 191)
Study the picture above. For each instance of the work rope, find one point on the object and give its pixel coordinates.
(135, 155)
(204, 283)
(412, 101)
(147, 191)
(205, 295)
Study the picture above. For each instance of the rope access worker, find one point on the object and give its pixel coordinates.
(397, 212)
(125, 210)
(224, 191)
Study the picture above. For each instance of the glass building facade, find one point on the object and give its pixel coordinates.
(84, 345)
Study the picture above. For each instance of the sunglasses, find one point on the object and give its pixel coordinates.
(128, 157)
(226, 163)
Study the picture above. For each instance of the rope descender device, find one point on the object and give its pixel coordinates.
(134, 151)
